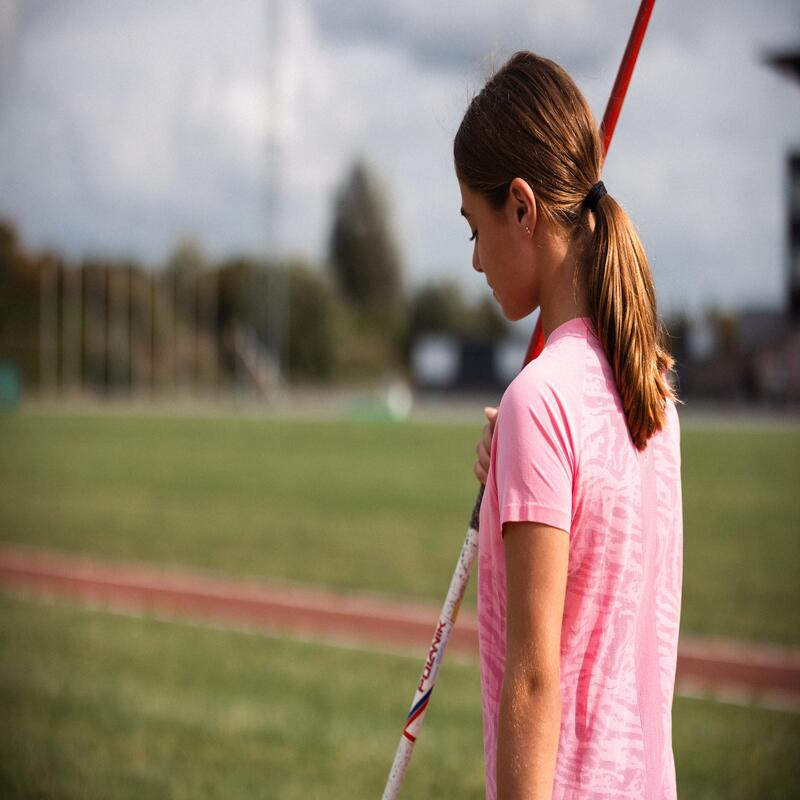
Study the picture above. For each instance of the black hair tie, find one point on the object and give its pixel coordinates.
(595, 193)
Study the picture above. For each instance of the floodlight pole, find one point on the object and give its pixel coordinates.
(277, 284)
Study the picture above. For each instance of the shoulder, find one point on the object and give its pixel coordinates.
(554, 380)
(542, 407)
(539, 412)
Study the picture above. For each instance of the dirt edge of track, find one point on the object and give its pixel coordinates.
(747, 672)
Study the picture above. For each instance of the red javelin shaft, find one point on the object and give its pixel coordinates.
(610, 118)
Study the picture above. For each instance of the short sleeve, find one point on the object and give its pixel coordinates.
(534, 456)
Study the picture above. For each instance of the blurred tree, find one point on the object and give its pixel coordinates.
(184, 272)
(313, 314)
(313, 324)
(94, 304)
(440, 308)
(19, 304)
(9, 246)
(187, 260)
(364, 257)
(240, 288)
(485, 321)
(726, 330)
(436, 308)
(19, 270)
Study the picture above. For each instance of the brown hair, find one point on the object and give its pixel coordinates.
(531, 121)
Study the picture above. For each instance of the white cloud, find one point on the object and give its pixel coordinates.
(124, 126)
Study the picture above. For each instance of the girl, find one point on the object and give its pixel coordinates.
(581, 533)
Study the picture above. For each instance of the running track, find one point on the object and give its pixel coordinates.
(729, 671)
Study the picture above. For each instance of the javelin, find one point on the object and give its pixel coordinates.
(458, 583)
(536, 344)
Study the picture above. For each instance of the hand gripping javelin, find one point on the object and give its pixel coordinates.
(458, 583)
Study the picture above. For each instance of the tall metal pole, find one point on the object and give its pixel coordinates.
(277, 284)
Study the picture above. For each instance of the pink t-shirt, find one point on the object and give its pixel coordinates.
(562, 456)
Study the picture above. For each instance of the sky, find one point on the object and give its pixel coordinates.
(128, 126)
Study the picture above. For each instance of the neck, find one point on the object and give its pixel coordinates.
(565, 296)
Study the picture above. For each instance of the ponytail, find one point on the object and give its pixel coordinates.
(622, 303)
(530, 120)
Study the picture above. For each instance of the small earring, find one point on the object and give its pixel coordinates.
(527, 230)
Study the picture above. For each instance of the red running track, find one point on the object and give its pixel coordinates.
(736, 671)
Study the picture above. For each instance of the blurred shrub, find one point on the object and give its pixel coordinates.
(181, 326)
(291, 307)
(315, 324)
(436, 308)
(440, 307)
(19, 303)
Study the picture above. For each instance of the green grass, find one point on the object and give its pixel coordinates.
(101, 706)
(375, 506)
(372, 506)
(741, 499)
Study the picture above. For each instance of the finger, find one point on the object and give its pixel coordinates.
(486, 436)
(480, 472)
(483, 454)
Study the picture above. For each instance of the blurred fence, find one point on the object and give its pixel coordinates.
(191, 328)
(115, 330)
(244, 326)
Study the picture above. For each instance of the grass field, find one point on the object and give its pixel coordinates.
(374, 506)
(98, 706)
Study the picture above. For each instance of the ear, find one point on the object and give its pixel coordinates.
(522, 205)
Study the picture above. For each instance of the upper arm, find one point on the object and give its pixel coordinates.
(536, 557)
(535, 456)
(535, 465)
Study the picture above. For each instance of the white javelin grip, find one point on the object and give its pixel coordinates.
(430, 670)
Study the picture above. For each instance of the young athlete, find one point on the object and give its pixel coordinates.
(581, 534)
